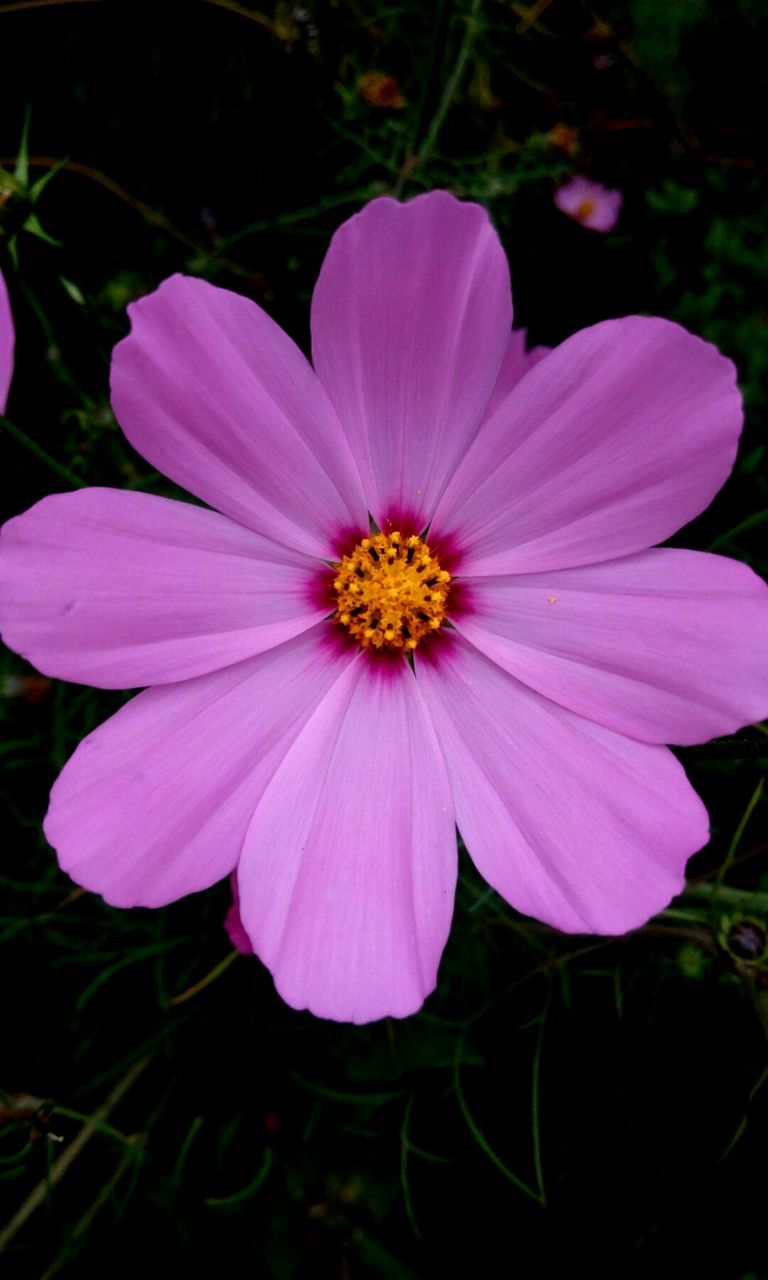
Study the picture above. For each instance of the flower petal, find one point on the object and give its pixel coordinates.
(666, 646)
(121, 589)
(516, 363)
(234, 925)
(7, 339)
(619, 437)
(410, 320)
(155, 803)
(349, 867)
(590, 203)
(212, 392)
(570, 822)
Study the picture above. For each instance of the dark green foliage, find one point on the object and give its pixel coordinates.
(562, 1104)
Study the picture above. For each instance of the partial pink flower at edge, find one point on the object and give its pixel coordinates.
(590, 203)
(330, 777)
(7, 339)
(234, 925)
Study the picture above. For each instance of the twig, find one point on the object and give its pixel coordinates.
(242, 12)
(531, 17)
(215, 973)
(480, 1137)
(19, 5)
(736, 840)
(86, 1221)
(17, 434)
(65, 1161)
(452, 86)
(146, 211)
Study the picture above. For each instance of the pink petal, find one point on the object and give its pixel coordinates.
(666, 646)
(570, 822)
(155, 803)
(572, 194)
(517, 361)
(121, 589)
(7, 338)
(618, 438)
(234, 925)
(606, 214)
(590, 203)
(410, 321)
(216, 396)
(348, 873)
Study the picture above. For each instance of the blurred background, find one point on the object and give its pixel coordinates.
(561, 1104)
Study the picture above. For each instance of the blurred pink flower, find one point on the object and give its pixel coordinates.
(589, 203)
(314, 723)
(6, 344)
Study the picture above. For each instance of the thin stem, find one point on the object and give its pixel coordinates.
(757, 517)
(242, 12)
(146, 211)
(536, 1103)
(210, 977)
(65, 1161)
(453, 82)
(19, 5)
(478, 1134)
(452, 85)
(405, 1148)
(296, 215)
(530, 19)
(85, 1222)
(33, 447)
(736, 840)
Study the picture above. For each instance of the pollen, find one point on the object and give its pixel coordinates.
(392, 591)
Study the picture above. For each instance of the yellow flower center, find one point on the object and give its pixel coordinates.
(391, 591)
(585, 208)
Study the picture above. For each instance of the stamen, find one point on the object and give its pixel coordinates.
(389, 600)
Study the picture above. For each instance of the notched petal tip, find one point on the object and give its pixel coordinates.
(410, 322)
(419, 205)
(348, 870)
(328, 1007)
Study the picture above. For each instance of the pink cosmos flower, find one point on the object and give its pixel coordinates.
(590, 203)
(501, 652)
(6, 344)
